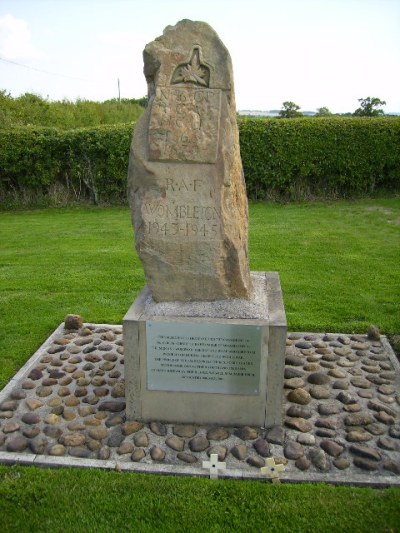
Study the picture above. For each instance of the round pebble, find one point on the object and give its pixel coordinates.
(57, 450)
(114, 420)
(320, 392)
(307, 439)
(158, 429)
(319, 459)
(299, 411)
(130, 427)
(239, 451)
(262, 448)
(221, 451)
(98, 433)
(255, 461)
(52, 419)
(300, 424)
(104, 453)
(31, 432)
(302, 463)
(294, 383)
(72, 439)
(125, 447)
(137, 455)
(218, 433)
(275, 435)
(30, 418)
(246, 433)
(293, 450)
(358, 436)
(300, 396)
(318, 378)
(185, 431)
(199, 443)
(332, 448)
(157, 454)
(11, 427)
(341, 463)
(17, 444)
(187, 457)
(176, 443)
(141, 439)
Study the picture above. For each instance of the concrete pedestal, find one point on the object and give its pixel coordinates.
(207, 362)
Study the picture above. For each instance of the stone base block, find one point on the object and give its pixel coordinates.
(216, 362)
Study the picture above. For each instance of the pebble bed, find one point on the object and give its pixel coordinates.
(341, 410)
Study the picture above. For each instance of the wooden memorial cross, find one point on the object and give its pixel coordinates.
(272, 470)
(214, 465)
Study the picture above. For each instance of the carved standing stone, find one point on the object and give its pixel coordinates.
(186, 185)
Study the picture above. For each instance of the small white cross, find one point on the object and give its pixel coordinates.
(272, 470)
(214, 465)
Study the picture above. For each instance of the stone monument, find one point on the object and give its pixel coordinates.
(205, 339)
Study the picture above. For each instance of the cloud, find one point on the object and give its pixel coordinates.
(15, 39)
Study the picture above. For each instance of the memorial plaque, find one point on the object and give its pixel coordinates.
(203, 357)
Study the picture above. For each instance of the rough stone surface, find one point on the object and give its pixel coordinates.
(186, 186)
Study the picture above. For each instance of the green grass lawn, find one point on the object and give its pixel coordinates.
(339, 268)
(92, 501)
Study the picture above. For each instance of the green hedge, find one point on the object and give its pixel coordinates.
(320, 157)
(290, 159)
(69, 165)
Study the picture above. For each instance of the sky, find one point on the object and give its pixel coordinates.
(316, 53)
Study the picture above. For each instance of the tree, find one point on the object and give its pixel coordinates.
(369, 107)
(290, 110)
(323, 112)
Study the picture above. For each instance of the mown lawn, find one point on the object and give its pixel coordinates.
(92, 501)
(339, 268)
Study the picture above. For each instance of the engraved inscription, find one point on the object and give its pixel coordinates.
(216, 358)
(184, 124)
(182, 212)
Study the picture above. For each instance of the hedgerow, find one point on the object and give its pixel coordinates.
(320, 157)
(289, 159)
(82, 163)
